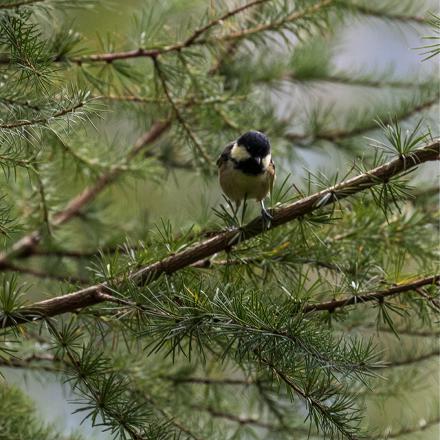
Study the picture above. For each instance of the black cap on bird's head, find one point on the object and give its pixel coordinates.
(255, 142)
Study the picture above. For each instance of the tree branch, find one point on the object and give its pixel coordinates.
(18, 4)
(27, 122)
(410, 361)
(42, 362)
(365, 10)
(311, 401)
(226, 239)
(339, 135)
(379, 296)
(247, 420)
(345, 79)
(194, 39)
(210, 381)
(27, 243)
(179, 116)
(9, 267)
(416, 429)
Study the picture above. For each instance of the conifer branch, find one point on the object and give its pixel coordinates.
(434, 303)
(365, 10)
(44, 120)
(18, 4)
(336, 136)
(317, 7)
(338, 78)
(95, 392)
(210, 381)
(73, 207)
(226, 239)
(311, 401)
(378, 296)
(401, 331)
(10, 267)
(260, 315)
(179, 115)
(285, 214)
(195, 40)
(411, 361)
(248, 420)
(424, 425)
(41, 362)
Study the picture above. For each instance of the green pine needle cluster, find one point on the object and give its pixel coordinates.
(176, 316)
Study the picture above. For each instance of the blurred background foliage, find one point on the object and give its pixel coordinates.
(320, 86)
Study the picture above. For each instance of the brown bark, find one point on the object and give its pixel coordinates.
(226, 239)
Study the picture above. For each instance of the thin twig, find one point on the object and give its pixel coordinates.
(46, 120)
(339, 135)
(179, 115)
(20, 3)
(42, 362)
(378, 296)
(9, 267)
(245, 420)
(210, 381)
(73, 207)
(424, 425)
(410, 361)
(194, 39)
(435, 304)
(353, 81)
(365, 10)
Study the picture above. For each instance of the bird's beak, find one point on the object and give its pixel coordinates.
(258, 159)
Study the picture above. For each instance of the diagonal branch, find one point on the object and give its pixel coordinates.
(179, 116)
(383, 14)
(20, 3)
(9, 267)
(380, 295)
(41, 362)
(311, 401)
(192, 40)
(424, 425)
(27, 243)
(43, 120)
(336, 136)
(224, 240)
(405, 362)
(195, 40)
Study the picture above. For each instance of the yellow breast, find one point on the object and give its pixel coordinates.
(236, 185)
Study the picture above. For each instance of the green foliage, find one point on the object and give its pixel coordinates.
(18, 418)
(432, 50)
(99, 132)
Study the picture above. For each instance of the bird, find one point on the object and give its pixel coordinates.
(246, 170)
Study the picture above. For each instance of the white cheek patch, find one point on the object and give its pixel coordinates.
(266, 160)
(239, 153)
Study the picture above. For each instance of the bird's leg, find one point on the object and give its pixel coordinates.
(267, 218)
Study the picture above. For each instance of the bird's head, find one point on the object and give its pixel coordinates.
(252, 144)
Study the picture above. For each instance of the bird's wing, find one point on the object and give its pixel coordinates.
(225, 155)
(272, 174)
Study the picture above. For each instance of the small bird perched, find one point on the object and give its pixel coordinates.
(246, 170)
